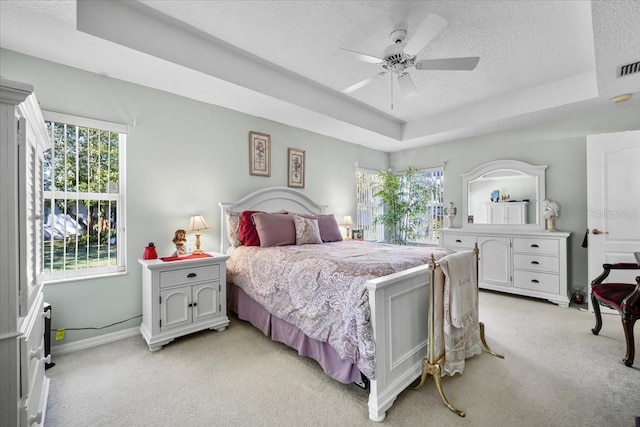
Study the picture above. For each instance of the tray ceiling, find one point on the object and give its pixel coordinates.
(278, 60)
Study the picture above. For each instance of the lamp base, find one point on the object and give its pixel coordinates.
(197, 250)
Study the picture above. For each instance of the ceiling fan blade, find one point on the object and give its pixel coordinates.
(468, 63)
(359, 56)
(407, 87)
(364, 82)
(429, 28)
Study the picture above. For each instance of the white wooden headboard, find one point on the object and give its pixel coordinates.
(270, 199)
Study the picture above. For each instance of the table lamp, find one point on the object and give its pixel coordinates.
(348, 222)
(197, 223)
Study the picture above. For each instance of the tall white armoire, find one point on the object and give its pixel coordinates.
(23, 139)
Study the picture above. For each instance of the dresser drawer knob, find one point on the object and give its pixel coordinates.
(535, 262)
(458, 241)
(191, 275)
(535, 281)
(535, 246)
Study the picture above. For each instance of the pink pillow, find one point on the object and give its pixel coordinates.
(329, 229)
(274, 229)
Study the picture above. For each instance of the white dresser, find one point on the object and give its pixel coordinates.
(23, 385)
(181, 297)
(524, 263)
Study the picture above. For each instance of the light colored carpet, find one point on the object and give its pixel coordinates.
(555, 373)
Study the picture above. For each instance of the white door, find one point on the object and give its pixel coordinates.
(613, 202)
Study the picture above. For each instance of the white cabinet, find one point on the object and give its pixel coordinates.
(181, 297)
(23, 139)
(532, 263)
(507, 212)
(494, 264)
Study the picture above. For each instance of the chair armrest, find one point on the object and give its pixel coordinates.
(622, 266)
(633, 299)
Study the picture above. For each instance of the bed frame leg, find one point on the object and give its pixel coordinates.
(485, 345)
(435, 371)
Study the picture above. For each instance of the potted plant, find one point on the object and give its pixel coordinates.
(405, 197)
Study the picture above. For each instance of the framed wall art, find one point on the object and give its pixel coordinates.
(259, 154)
(296, 168)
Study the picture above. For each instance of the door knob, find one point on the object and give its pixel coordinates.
(598, 231)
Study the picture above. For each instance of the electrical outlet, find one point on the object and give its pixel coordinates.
(59, 334)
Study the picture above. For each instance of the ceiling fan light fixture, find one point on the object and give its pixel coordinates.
(621, 98)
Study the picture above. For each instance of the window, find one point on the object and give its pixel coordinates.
(434, 217)
(369, 207)
(83, 181)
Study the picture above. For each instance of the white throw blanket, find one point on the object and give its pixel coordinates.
(460, 279)
(461, 325)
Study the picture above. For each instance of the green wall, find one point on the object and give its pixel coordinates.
(183, 158)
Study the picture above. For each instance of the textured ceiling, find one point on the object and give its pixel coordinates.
(277, 59)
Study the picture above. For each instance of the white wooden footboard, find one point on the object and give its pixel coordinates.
(399, 318)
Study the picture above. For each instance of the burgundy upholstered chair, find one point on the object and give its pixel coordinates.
(622, 297)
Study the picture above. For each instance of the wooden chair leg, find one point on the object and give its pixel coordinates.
(627, 325)
(596, 312)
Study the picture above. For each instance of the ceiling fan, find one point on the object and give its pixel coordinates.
(400, 56)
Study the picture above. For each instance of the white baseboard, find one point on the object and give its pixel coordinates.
(95, 341)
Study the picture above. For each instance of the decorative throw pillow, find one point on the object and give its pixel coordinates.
(247, 230)
(328, 226)
(307, 231)
(233, 228)
(274, 229)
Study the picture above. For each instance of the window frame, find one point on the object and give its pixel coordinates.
(68, 275)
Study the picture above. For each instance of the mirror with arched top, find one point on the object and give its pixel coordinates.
(503, 193)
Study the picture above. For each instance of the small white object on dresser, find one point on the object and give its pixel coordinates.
(23, 138)
(181, 297)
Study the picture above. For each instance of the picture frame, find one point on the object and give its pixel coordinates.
(356, 234)
(259, 154)
(296, 168)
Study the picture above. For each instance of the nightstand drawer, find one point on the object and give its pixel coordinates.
(536, 262)
(534, 246)
(458, 241)
(189, 275)
(544, 282)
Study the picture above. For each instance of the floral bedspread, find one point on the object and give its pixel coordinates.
(320, 288)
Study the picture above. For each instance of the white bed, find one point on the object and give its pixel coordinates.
(398, 305)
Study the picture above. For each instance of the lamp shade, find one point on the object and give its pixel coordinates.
(197, 223)
(347, 220)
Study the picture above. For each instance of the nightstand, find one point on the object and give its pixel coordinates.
(181, 297)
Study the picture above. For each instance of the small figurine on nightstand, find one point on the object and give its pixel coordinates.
(180, 240)
(451, 212)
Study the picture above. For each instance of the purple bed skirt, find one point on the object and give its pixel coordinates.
(279, 330)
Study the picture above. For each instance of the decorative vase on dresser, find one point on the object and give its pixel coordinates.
(23, 385)
(517, 255)
(181, 297)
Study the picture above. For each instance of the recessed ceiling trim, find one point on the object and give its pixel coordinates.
(141, 28)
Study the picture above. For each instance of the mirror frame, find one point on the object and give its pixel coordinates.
(537, 172)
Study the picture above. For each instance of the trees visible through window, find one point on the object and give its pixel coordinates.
(83, 183)
(426, 227)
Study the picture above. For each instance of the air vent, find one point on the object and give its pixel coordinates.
(625, 70)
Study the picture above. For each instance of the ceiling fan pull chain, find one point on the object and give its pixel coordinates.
(391, 80)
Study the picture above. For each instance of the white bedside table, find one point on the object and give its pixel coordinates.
(181, 297)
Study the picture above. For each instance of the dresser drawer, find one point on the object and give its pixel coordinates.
(189, 275)
(458, 241)
(544, 282)
(534, 245)
(536, 262)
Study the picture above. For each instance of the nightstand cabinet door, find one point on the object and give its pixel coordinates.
(205, 301)
(174, 307)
